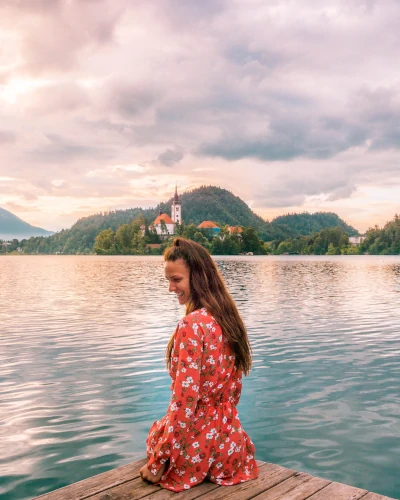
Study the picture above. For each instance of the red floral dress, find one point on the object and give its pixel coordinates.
(201, 434)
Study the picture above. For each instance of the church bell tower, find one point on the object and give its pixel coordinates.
(176, 209)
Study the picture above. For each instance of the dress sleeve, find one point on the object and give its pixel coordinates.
(170, 440)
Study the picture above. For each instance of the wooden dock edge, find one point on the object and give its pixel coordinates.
(274, 483)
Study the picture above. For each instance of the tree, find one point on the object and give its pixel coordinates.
(350, 250)
(319, 246)
(124, 237)
(250, 241)
(163, 226)
(201, 239)
(231, 244)
(332, 250)
(138, 244)
(105, 243)
(217, 247)
(284, 247)
(191, 230)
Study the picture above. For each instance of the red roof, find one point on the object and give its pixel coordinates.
(207, 224)
(165, 217)
(232, 229)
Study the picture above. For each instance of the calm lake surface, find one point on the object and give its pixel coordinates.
(82, 375)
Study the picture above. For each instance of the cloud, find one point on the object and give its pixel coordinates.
(170, 156)
(283, 102)
(6, 137)
(294, 188)
(289, 138)
(55, 98)
(59, 149)
(379, 109)
(53, 36)
(133, 101)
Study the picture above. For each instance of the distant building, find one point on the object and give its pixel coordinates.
(210, 226)
(162, 230)
(235, 229)
(176, 218)
(356, 240)
(176, 209)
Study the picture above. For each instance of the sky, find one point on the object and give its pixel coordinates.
(108, 104)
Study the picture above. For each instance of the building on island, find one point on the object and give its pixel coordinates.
(210, 226)
(164, 224)
(356, 240)
(235, 229)
(176, 209)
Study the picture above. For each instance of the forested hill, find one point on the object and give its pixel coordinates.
(305, 224)
(217, 205)
(205, 203)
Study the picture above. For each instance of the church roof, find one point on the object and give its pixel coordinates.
(207, 224)
(165, 217)
(176, 197)
(232, 229)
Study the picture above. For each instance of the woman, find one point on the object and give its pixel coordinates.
(201, 435)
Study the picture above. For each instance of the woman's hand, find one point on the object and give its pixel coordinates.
(146, 475)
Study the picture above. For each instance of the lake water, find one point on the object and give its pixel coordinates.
(82, 375)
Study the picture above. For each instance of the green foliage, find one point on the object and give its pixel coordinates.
(350, 250)
(106, 243)
(332, 241)
(218, 205)
(306, 224)
(385, 241)
(127, 240)
(250, 241)
(123, 237)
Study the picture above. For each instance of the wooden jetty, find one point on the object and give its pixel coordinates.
(274, 483)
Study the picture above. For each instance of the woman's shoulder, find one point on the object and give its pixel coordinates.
(200, 315)
(197, 319)
(200, 320)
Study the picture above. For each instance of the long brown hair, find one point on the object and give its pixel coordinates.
(207, 289)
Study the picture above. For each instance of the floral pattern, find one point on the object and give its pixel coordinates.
(201, 435)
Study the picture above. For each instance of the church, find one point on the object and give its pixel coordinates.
(164, 224)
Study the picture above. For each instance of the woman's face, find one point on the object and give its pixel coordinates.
(178, 275)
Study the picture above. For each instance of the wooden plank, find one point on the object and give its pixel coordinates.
(195, 492)
(274, 483)
(132, 489)
(270, 475)
(375, 496)
(297, 487)
(96, 484)
(338, 491)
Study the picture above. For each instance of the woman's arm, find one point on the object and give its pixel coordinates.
(186, 364)
(146, 475)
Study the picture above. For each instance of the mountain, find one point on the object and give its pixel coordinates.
(218, 205)
(204, 203)
(12, 227)
(305, 224)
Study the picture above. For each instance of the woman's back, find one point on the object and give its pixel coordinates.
(201, 434)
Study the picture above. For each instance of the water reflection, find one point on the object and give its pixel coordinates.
(82, 374)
